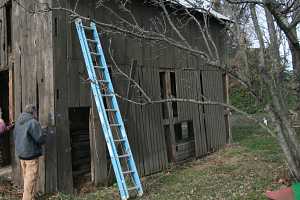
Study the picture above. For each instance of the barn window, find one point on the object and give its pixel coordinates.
(184, 131)
(185, 143)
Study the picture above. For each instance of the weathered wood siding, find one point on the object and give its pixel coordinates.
(3, 41)
(61, 88)
(49, 71)
(144, 123)
(32, 67)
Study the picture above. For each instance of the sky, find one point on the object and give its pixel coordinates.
(284, 48)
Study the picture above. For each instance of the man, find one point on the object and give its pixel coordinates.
(29, 139)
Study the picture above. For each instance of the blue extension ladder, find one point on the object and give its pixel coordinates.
(109, 113)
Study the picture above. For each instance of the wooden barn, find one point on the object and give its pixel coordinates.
(42, 64)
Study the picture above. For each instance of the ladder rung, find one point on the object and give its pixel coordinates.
(115, 125)
(107, 95)
(128, 172)
(99, 67)
(111, 110)
(120, 140)
(96, 54)
(87, 28)
(90, 40)
(103, 81)
(124, 156)
(132, 188)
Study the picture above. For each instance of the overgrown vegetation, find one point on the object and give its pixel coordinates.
(243, 100)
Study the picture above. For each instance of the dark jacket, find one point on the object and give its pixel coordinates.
(29, 137)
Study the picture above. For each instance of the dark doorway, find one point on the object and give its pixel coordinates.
(8, 13)
(5, 157)
(80, 144)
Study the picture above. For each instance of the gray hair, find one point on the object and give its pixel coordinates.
(30, 108)
(0, 113)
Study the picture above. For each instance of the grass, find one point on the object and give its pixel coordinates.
(243, 171)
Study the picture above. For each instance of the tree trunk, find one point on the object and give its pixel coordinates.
(295, 51)
(286, 134)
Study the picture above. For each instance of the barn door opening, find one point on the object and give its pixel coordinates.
(169, 111)
(185, 142)
(80, 144)
(5, 157)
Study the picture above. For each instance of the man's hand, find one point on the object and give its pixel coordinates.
(10, 126)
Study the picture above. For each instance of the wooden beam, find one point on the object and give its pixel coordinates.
(11, 92)
(171, 117)
(99, 170)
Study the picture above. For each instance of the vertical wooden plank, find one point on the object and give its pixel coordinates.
(4, 32)
(156, 125)
(64, 160)
(74, 82)
(203, 140)
(214, 114)
(227, 110)
(32, 52)
(170, 116)
(156, 129)
(11, 93)
(3, 37)
(135, 137)
(143, 132)
(147, 118)
(98, 149)
(133, 125)
(43, 44)
(18, 20)
(200, 137)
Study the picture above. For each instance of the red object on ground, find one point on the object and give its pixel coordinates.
(283, 194)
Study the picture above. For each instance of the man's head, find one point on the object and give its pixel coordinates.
(31, 109)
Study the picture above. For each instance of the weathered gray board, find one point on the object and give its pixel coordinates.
(214, 114)
(33, 77)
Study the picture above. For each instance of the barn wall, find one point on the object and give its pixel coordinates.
(48, 70)
(3, 37)
(32, 67)
(61, 96)
(143, 61)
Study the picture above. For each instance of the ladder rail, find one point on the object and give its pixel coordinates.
(131, 163)
(101, 109)
(108, 109)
